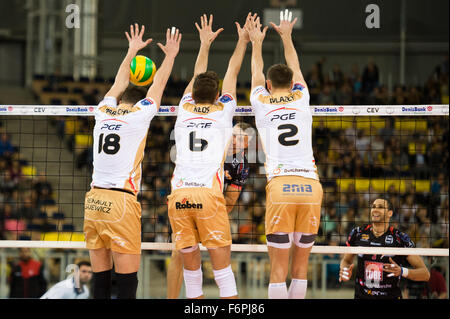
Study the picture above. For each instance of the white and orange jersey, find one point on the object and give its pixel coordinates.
(202, 134)
(120, 135)
(284, 123)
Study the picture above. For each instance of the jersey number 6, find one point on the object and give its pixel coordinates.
(111, 145)
(282, 138)
(194, 143)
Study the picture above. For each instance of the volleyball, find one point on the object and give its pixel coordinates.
(142, 71)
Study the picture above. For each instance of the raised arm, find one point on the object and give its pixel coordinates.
(207, 36)
(290, 53)
(171, 49)
(234, 66)
(256, 36)
(135, 43)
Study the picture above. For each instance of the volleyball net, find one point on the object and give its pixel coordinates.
(362, 152)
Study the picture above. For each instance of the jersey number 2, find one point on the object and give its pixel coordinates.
(111, 144)
(282, 138)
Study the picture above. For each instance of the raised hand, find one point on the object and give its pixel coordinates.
(253, 28)
(173, 39)
(242, 32)
(135, 41)
(207, 36)
(285, 27)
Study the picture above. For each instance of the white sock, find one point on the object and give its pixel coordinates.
(193, 280)
(297, 289)
(278, 290)
(226, 282)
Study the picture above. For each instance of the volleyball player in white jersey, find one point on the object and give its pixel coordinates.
(112, 223)
(196, 205)
(293, 193)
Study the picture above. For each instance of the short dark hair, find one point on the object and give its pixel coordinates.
(83, 263)
(388, 202)
(243, 125)
(206, 87)
(280, 75)
(133, 95)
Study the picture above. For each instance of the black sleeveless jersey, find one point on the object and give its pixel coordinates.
(238, 168)
(371, 282)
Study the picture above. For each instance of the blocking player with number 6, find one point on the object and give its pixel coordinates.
(203, 129)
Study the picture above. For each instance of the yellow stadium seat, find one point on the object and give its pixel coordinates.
(414, 148)
(29, 170)
(70, 126)
(369, 124)
(63, 236)
(382, 185)
(445, 99)
(83, 140)
(423, 186)
(411, 125)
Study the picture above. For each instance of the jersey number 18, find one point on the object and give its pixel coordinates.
(110, 145)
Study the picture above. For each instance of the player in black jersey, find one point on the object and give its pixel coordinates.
(236, 166)
(378, 276)
(236, 170)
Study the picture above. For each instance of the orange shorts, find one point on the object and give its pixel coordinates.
(112, 220)
(199, 215)
(293, 204)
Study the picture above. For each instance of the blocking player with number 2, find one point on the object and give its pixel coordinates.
(112, 218)
(293, 192)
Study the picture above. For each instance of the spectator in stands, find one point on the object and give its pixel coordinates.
(92, 96)
(27, 277)
(332, 268)
(74, 287)
(337, 76)
(6, 147)
(42, 187)
(370, 77)
(437, 285)
(326, 96)
(27, 209)
(344, 96)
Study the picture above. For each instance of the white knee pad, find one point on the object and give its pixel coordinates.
(304, 240)
(226, 282)
(193, 280)
(279, 240)
(189, 249)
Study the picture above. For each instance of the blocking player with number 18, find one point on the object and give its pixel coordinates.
(112, 218)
